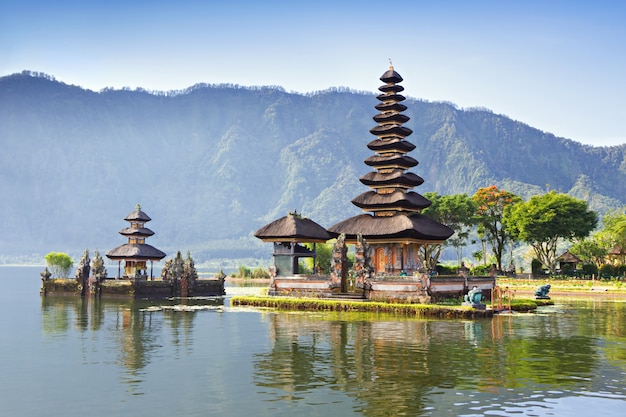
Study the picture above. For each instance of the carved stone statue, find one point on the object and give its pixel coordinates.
(189, 275)
(339, 262)
(98, 273)
(474, 298)
(180, 273)
(167, 272)
(82, 272)
(363, 263)
(541, 293)
(98, 269)
(45, 274)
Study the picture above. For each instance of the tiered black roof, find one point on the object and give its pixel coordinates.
(395, 209)
(138, 251)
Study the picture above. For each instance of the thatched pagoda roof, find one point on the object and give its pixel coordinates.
(568, 257)
(385, 107)
(395, 160)
(391, 87)
(140, 251)
(397, 177)
(390, 76)
(617, 251)
(380, 228)
(136, 231)
(137, 215)
(394, 129)
(293, 228)
(398, 200)
(389, 95)
(394, 144)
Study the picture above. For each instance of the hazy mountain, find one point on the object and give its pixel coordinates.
(213, 163)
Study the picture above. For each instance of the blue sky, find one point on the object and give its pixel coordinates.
(556, 65)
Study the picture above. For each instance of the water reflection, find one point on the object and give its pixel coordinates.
(128, 333)
(565, 360)
(413, 367)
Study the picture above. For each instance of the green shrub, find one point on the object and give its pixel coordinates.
(536, 267)
(607, 271)
(590, 270)
(59, 264)
(243, 272)
(259, 272)
(446, 270)
(480, 270)
(567, 269)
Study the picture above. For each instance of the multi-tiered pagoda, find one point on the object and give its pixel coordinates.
(136, 253)
(392, 224)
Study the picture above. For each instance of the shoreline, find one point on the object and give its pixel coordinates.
(574, 294)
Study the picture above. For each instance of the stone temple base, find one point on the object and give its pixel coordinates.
(134, 289)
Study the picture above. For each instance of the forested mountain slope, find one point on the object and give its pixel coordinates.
(212, 164)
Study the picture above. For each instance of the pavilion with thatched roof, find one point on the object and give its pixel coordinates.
(136, 252)
(288, 234)
(568, 258)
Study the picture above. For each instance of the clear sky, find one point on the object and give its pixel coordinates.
(559, 66)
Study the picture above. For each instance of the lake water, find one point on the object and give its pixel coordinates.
(65, 356)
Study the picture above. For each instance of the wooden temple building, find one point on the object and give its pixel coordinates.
(391, 235)
(568, 258)
(136, 253)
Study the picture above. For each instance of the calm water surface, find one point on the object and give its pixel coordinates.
(64, 356)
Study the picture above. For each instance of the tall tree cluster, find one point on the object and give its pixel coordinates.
(502, 219)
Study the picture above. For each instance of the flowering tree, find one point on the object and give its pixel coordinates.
(492, 204)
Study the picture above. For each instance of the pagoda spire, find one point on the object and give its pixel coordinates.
(391, 182)
(391, 210)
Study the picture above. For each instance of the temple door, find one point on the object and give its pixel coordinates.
(380, 260)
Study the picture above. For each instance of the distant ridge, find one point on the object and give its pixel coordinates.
(214, 163)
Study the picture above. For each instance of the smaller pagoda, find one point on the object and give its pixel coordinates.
(136, 253)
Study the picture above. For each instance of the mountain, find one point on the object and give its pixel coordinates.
(213, 163)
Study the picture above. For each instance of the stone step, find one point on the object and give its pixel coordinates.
(346, 296)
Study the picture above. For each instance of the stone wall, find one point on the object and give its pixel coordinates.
(134, 289)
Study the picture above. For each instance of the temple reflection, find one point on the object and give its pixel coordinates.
(133, 330)
(398, 364)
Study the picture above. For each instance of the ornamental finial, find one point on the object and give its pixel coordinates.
(390, 64)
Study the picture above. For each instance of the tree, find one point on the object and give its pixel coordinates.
(455, 211)
(596, 248)
(614, 230)
(590, 250)
(59, 263)
(545, 219)
(491, 206)
(323, 254)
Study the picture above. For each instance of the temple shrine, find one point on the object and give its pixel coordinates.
(392, 224)
(136, 252)
(392, 239)
(178, 278)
